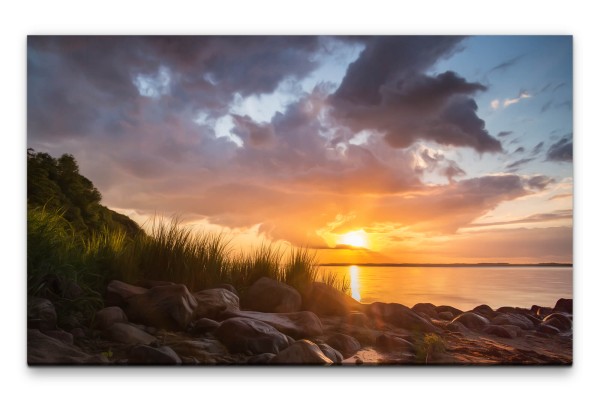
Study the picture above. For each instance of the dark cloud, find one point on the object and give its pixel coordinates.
(502, 134)
(519, 163)
(537, 149)
(452, 169)
(546, 106)
(258, 135)
(534, 218)
(388, 90)
(561, 151)
(539, 182)
(520, 149)
(505, 65)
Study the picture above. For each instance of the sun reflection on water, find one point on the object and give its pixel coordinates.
(355, 282)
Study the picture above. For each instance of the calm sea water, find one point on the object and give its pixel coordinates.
(461, 287)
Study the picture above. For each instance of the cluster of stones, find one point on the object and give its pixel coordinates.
(164, 323)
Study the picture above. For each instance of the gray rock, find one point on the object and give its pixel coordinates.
(128, 334)
(145, 355)
(268, 295)
(41, 314)
(471, 320)
(45, 350)
(106, 317)
(400, 316)
(302, 352)
(325, 300)
(168, 307)
(298, 325)
(345, 344)
(244, 335)
(213, 302)
(118, 293)
(513, 319)
(331, 353)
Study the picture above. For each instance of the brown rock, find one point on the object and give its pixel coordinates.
(345, 344)
(485, 311)
(426, 309)
(128, 334)
(471, 320)
(499, 331)
(325, 300)
(118, 293)
(447, 315)
(203, 326)
(391, 343)
(445, 308)
(169, 307)
(213, 302)
(400, 316)
(106, 317)
(558, 320)
(268, 295)
(564, 305)
(244, 335)
(515, 320)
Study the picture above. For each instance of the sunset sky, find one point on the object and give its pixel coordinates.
(368, 149)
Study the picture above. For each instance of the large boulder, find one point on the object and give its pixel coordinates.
(558, 320)
(213, 302)
(303, 352)
(514, 320)
(485, 311)
(400, 316)
(244, 335)
(426, 309)
(106, 317)
(564, 305)
(145, 355)
(298, 325)
(391, 343)
(118, 293)
(128, 334)
(169, 307)
(345, 344)
(325, 300)
(540, 311)
(41, 314)
(471, 320)
(45, 350)
(501, 331)
(268, 295)
(445, 308)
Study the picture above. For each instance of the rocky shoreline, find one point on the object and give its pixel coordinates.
(162, 323)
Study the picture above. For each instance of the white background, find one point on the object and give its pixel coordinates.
(304, 17)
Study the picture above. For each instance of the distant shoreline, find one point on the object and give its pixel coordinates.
(451, 264)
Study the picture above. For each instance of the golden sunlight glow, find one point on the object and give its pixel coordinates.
(357, 239)
(355, 282)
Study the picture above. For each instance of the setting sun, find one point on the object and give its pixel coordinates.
(356, 239)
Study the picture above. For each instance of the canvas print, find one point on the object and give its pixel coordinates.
(299, 200)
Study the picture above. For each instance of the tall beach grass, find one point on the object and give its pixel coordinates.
(167, 251)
